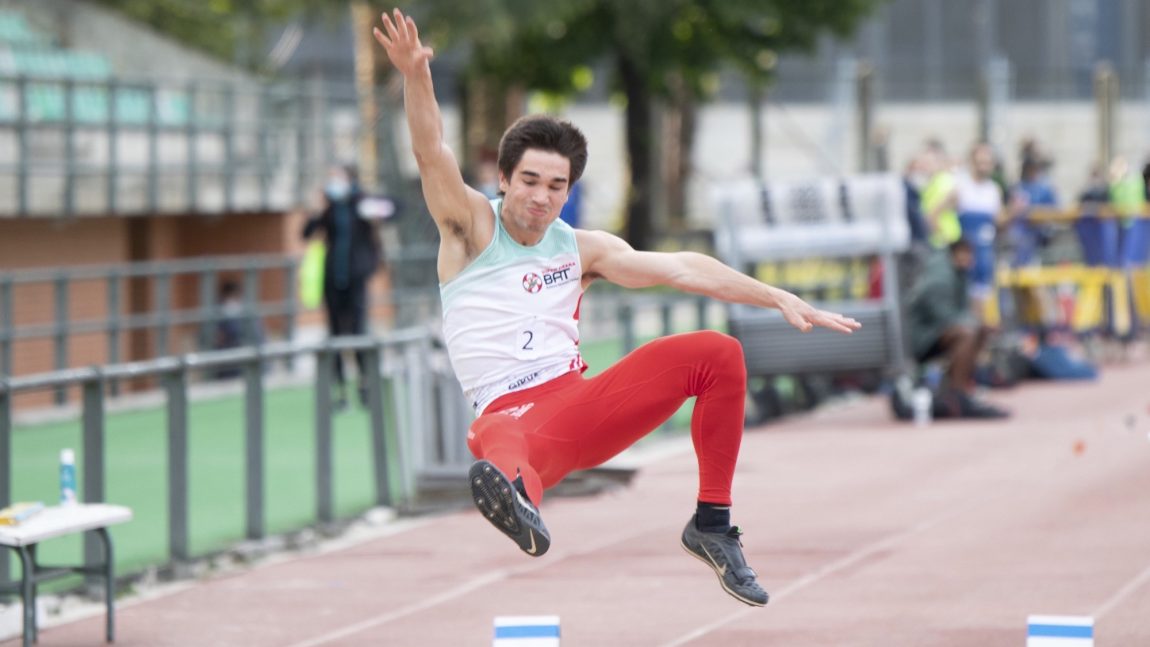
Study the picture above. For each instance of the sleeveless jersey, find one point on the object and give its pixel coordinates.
(510, 318)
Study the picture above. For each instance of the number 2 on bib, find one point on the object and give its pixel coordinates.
(529, 339)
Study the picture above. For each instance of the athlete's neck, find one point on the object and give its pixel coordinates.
(524, 237)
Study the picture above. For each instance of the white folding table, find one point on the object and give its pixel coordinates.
(58, 521)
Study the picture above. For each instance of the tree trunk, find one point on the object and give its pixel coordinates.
(489, 107)
(756, 94)
(638, 136)
(362, 20)
(680, 146)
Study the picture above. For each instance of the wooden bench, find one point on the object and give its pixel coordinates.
(826, 218)
(58, 521)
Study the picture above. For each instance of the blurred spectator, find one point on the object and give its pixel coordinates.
(978, 201)
(487, 175)
(941, 324)
(1097, 189)
(915, 178)
(573, 209)
(1146, 179)
(1127, 189)
(938, 197)
(1032, 191)
(234, 327)
(348, 223)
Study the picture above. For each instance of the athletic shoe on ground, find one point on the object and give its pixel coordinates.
(505, 504)
(723, 552)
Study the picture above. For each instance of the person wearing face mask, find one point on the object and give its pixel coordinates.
(348, 225)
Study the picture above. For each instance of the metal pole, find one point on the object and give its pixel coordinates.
(254, 446)
(374, 386)
(5, 460)
(208, 308)
(163, 295)
(701, 304)
(61, 333)
(177, 388)
(69, 147)
(982, 100)
(153, 151)
(264, 149)
(6, 327)
(324, 496)
(253, 320)
(23, 157)
(113, 149)
(93, 462)
(113, 285)
(865, 112)
(229, 148)
(190, 138)
(292, 307)
(1105, 93)
(666, 313)
(933, 34)
(627, 323)
(301, 146)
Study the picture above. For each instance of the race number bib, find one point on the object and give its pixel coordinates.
(529, 339)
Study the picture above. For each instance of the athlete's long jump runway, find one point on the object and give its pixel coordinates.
(865, 531)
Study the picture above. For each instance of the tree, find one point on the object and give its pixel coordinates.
(657, 50)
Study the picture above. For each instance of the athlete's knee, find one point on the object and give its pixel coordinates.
(722, 351)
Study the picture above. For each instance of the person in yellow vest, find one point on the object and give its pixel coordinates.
(939, 197)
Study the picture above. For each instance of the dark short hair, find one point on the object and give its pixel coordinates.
(545, 133)
(960, 245)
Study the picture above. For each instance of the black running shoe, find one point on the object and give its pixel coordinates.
(723, 552)
(505, 504)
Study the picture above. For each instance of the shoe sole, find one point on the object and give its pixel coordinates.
(494, 497)
(723, 582)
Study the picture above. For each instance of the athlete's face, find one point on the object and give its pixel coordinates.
(534, 194)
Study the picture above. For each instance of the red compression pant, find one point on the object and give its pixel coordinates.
(572, 422)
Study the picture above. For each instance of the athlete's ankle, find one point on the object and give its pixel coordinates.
(713, 517)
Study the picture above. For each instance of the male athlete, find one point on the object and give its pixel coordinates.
(511, 278)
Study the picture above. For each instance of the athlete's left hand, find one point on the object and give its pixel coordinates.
(805, 317)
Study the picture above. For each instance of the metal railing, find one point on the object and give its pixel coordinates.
(423, 428)
(114, 145)
(159, 317)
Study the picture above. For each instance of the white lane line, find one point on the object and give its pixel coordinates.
(464, 589)
(446, 596)
(829, 569)
(1116, 599)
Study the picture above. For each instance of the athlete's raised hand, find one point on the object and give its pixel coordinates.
(804, 316)
(402, 44)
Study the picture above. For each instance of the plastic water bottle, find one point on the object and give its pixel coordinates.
(67, 477)
(921, 404)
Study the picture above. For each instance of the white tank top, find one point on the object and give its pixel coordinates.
(510, 318)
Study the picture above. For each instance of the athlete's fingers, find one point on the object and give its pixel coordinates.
(401, 25)
(414, 30)
(797, 320)
(392, 32)
(839, 322)
(383, 40)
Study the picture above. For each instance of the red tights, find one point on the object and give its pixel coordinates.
(573, 423)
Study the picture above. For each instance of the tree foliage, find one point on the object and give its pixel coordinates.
(655, 49)
(225, 29)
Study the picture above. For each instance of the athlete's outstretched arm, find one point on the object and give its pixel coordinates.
(611, 258)
(450, 201)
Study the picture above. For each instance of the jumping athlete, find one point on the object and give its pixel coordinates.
(511, 278)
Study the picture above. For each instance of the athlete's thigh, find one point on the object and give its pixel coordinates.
(631, 398)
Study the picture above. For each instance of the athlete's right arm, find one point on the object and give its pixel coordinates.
(451, 202)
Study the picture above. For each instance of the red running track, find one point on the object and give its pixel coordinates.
(865, 531)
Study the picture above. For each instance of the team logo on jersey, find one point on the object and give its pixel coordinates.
(532, 282)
